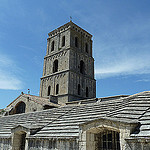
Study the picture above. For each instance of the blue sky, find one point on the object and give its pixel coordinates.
(121, 47)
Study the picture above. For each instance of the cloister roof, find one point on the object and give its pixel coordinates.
(64, 122)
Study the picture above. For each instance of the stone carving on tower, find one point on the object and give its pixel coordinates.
(68, 71)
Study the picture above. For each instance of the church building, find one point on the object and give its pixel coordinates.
(67, 115)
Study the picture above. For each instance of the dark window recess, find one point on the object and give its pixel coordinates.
(49, 91)
(52, 46)
(20, 108)
(79, 89)
(57, 89)
(23, 139)
(87, 92)
(47, 107)
(55, 66)
(82, 67)
(86, 48)
(76, 42)
(63, 41)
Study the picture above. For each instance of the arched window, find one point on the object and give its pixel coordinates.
(108, 140)
(52, 46)
(79, 89)
(49, 91)
(76, 41)
(55, 66)
(87, 92)
(57, 89)
(63, 41)
(82, 67)
(20, 108)
(86, 47)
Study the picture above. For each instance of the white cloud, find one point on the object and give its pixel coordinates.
(124, 51)
(8, 78)
(143, 80)
(123, 64)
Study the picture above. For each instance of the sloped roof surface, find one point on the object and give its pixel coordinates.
(64, 122)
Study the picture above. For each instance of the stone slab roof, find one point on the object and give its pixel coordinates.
(64, 122)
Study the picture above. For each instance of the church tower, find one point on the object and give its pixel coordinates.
(68, 72)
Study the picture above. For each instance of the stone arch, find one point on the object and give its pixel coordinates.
(52, 46)
(82, 67)
(100, 135)
(20, 108)
(55, 66)
(48, 90)
(107, 139)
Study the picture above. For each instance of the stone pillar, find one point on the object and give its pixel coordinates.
(124, 133)
(82, 141)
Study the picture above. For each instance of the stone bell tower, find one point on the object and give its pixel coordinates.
(68, 72)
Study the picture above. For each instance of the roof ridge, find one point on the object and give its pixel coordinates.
(144, 113)
(38, 101)
(35, 96)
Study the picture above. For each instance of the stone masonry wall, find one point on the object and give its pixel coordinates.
(61, 79)
(75, 79)
(31, 106)
(5, 144)
(52, 144)
(138, 144)
(88, 130)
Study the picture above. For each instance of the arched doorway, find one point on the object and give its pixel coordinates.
(19, 141)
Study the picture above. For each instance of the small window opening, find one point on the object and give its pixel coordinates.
(52, 46)
(82, 67)
(55, 66)
(63, 41)
(57, 89)
(76, 42)
(79, 89)
(86, 47)
(47, 107)
(87, 92)
(49, 90)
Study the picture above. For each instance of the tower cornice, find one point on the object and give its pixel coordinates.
(66, 71)
(70, 25)
(63, 50)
